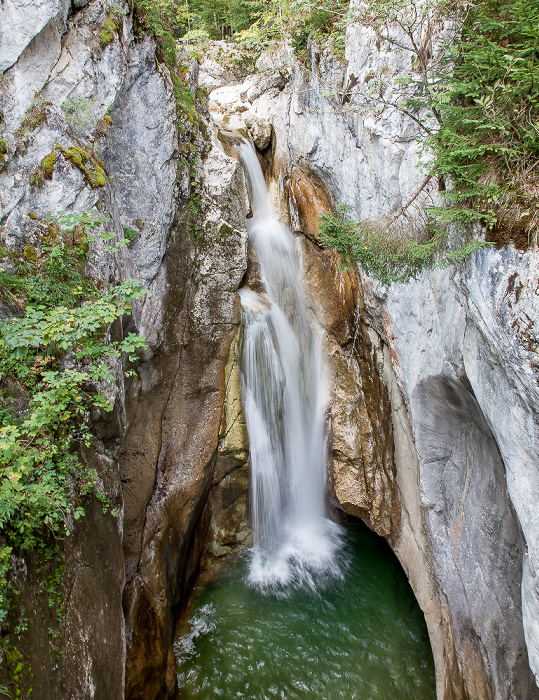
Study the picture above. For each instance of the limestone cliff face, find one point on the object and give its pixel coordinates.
(164, 460)
(433, 412)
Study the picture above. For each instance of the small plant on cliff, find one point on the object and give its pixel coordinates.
(36, 115)
(81, 113)
(386, 251)
(52, 360)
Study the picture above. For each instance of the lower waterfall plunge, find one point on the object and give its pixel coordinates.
(341, 621)
(284, 401)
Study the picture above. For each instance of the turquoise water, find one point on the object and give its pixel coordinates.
(360, 637)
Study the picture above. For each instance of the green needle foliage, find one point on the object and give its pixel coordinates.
(487, 144)
(474, 92)
(384, 255)
(52, 359)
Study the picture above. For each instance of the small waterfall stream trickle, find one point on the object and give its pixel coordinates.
(284, 398)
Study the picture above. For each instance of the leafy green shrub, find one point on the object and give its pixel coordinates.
(384, 254)
(129, 234)
(196, 36)
(52, 359)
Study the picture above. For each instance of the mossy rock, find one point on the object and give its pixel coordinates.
(30, 254)
(48, 164)
(44, 171)
(3, 152)
(36, 115)
(76, 155)
(111, 25)
(94, 171)
(108, 29)
(95, 176)
(52, 232)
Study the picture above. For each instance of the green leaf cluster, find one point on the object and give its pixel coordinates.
(52, 358)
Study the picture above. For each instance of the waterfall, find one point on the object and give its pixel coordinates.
(284, 400)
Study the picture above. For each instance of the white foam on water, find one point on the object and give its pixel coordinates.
(202, 623)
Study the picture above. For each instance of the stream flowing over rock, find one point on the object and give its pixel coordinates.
(433, 386)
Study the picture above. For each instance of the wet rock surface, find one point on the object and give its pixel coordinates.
(171, 446)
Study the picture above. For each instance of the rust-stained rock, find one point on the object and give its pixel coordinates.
(363, 471)
(309, 197)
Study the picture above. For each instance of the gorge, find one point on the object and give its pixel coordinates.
(431, 395)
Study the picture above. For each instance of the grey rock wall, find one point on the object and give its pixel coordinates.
(463, 396)
(157, 454)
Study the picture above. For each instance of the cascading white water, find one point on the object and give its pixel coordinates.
(283, 395)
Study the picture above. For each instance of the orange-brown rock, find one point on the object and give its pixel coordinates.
(309, 198)
(363, 472)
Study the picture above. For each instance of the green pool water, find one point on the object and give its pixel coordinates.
(361, 636)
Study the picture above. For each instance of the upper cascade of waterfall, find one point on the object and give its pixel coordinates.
(284, 399)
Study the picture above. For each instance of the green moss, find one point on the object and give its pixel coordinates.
(108, 29)
(44, 170)
(108, 118)
(12, 655)
(76, 155)
(96, 176)
(93, 169)
(3, 149)
(30, 254)
(32, 215)
(48, 163)
(111, 25)
(225, 230)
